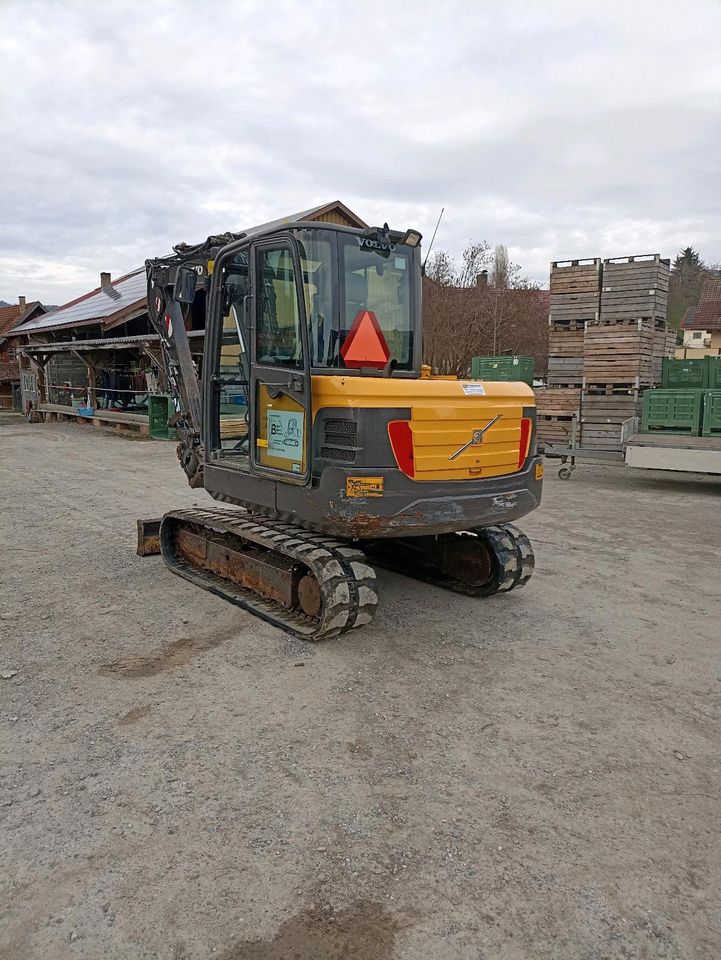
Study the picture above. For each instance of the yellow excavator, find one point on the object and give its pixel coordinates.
(315, 418)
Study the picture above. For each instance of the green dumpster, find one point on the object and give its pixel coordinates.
(503, 368)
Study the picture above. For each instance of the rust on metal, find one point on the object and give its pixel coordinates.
(148, 537)
(268, 575)
(309, 596)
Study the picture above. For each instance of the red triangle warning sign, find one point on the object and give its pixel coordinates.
(365, 345)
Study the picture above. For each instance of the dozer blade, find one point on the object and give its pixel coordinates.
(308, 585)
(148, 537)
(479, 563)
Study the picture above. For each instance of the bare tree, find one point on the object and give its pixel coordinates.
(464, 315)
(501, 268)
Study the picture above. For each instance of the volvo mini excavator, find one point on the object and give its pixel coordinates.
(314, 415)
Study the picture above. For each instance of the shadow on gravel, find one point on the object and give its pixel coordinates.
(362, 932)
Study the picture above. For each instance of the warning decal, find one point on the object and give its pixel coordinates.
(364, 486)
(365, 345)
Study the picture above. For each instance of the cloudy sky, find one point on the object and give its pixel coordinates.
(560, 129)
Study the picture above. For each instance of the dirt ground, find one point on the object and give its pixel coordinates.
(531, 776)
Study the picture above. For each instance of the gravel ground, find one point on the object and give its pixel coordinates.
(531, 776)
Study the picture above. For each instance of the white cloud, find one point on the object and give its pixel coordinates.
(559, 129)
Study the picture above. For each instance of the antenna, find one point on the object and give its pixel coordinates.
(430, 245)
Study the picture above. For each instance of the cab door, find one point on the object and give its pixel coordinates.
(280, 383)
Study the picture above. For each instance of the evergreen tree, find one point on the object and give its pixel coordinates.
(688, 273)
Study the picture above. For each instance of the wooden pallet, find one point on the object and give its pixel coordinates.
(664, 345)
(566, 343)
(566, 326)
(599, 408)
(557, 402)
(600, 436)
(568, 368)
(620, 387)
(573, 312)
(575, 276)
(635, 287)
(618, 352)
(572, 306)
(554, 429)
(602, 417)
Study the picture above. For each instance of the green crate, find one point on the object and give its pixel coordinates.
(711, 426)
(503, 368)
(684, 374)
(672, 411)
(160, 409)
(713, 375)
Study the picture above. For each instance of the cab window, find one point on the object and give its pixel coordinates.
(233, 362)
(278, 334)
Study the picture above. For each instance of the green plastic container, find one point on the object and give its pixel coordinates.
(712, 413)
(684, 374)
(503, 368)
(160, 409)
(672, 411)
(713, 377)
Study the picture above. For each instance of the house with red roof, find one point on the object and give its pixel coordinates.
(13, 316)
(701, 324)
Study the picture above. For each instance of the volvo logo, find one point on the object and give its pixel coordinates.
(383, 247)
(476, 437)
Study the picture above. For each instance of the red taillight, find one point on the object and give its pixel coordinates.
(401, 437)
(525, 443)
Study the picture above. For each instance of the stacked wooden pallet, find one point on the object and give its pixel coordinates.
(556, 408)
(575, 291)
(620, 358)
(565, 353)
(618, 354)
(606, 342)
(603, 416)
(575, 286)
(635, 287)
(664, 345)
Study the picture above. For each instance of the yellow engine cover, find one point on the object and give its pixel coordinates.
(444, 414)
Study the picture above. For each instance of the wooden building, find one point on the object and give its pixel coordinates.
(11, 317)
(100, 350)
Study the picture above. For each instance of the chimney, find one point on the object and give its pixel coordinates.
(21, 301)
(105, 280)
(482, 279)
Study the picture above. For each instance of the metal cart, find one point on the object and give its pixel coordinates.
(572, 452)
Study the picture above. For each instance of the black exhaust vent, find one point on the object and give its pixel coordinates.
(340, 440)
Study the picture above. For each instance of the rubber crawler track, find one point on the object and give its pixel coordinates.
(510, 550)
(513, 557)
(349, 595)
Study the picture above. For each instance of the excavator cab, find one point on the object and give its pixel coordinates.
(314, 414)
(286, 309)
